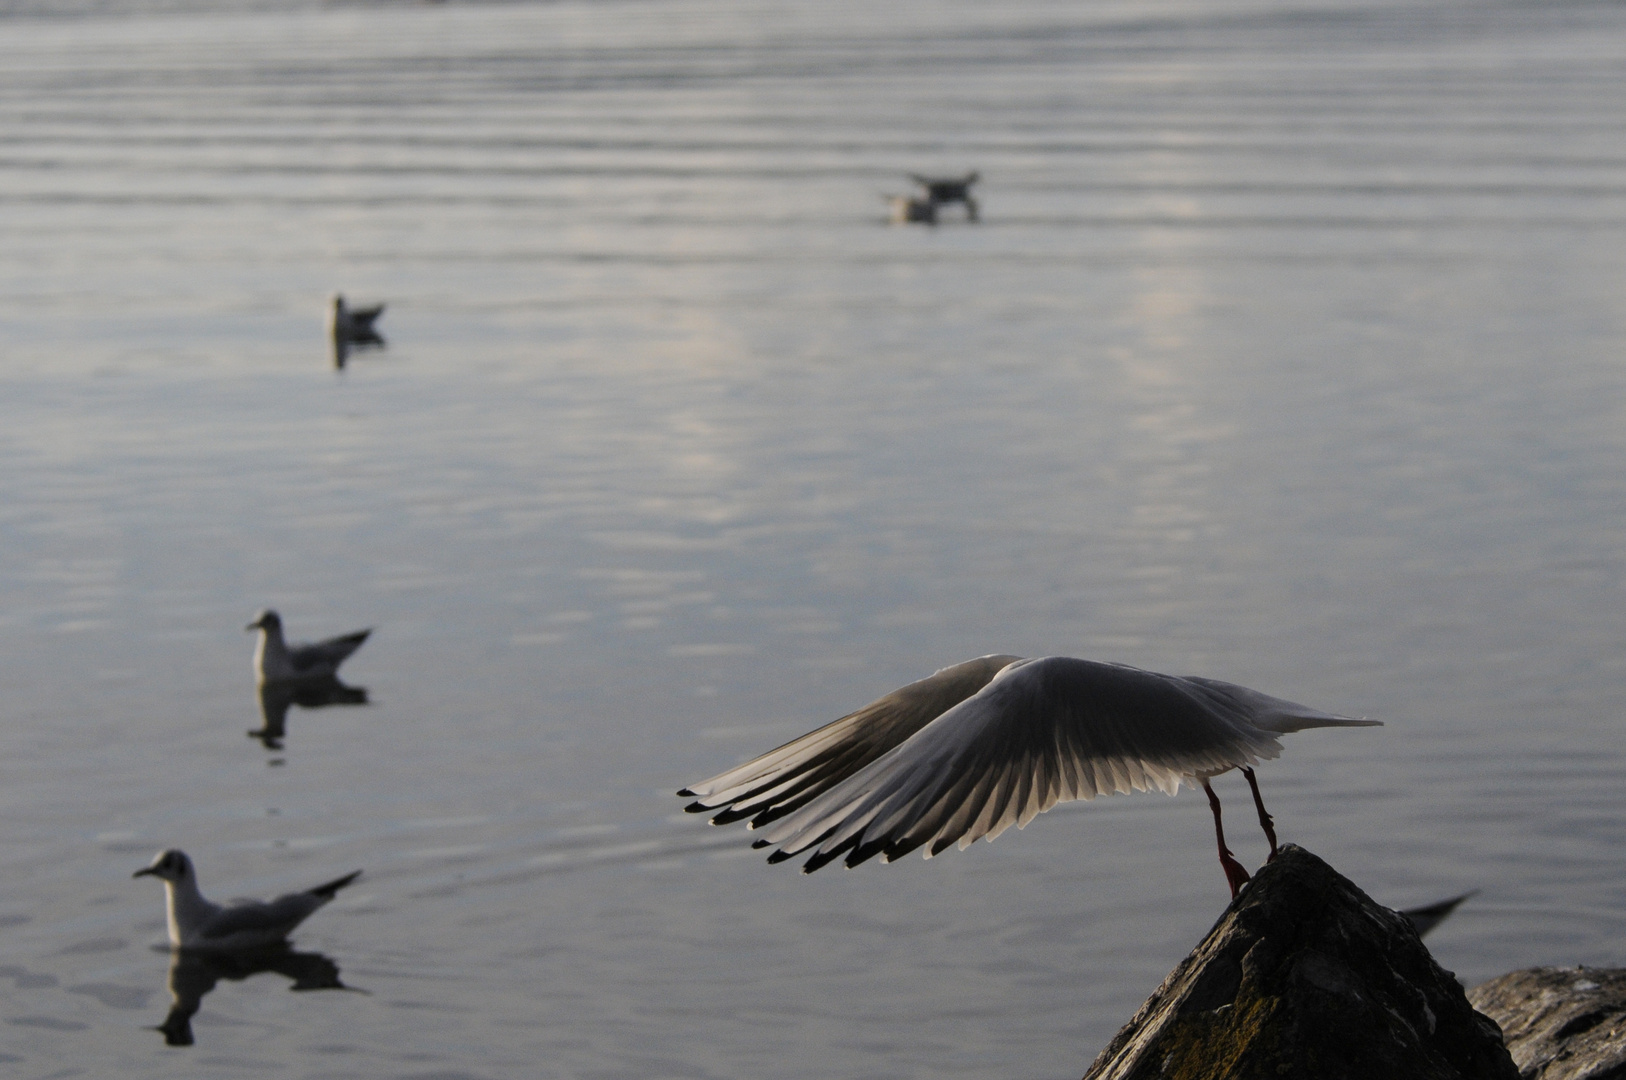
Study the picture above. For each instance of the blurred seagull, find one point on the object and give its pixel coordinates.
(196, 923)
(352, 328)
(276, 662)
(990, 743)
(943, 190)
(354, 325)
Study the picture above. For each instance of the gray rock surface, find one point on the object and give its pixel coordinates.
(1561, 1023)
(1306, 976)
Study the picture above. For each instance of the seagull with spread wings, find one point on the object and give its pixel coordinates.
(980, 746)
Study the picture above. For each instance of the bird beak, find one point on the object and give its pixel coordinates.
(252, 626)
(144, 871)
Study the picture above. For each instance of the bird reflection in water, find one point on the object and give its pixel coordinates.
(276, 699)
(192, 975)
(352, 330)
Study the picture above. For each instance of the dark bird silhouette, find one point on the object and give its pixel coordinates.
(945, 190)
(352, 328)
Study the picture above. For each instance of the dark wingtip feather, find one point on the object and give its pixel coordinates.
(899, 848)
(685, 793)
(728, 817)
(774, 813)
(327, 891)
(824, 858)
(865, 852)
(776, 857)
(759, 843)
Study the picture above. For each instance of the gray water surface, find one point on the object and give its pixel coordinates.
(1291, 350)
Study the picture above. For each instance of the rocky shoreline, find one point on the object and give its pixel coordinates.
(1306, 976)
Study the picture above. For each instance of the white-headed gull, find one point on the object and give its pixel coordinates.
(197, 923)
(276, 661)
(990, 743)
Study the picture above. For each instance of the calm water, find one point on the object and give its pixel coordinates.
(1291, 350)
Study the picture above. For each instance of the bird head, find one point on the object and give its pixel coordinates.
(265, 620)
(171, 864)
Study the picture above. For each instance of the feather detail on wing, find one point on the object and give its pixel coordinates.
(1041, 732)
(787, 778)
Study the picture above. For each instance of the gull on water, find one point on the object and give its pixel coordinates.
(992, 742)
(197, 923)
(354, 325)
(276, 661)
(352, 328)
(943, 190)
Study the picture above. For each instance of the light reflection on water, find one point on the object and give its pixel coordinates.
(1287, 352)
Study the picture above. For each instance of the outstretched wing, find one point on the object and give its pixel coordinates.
(785, 779)
(1042, 732)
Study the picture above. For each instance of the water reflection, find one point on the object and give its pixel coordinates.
(193, 975)
(276, 698)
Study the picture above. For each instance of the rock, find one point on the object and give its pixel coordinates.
(1561, 1023)
(1305, 976)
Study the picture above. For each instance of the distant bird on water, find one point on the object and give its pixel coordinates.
(990, 743)
(275, 661)
(196, 923)
(944, 190)
(352, 328)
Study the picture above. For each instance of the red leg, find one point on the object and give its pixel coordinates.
(1234, 873)
(1266, 822)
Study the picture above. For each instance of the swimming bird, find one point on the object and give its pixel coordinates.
(992, 742)
(906, 209)
(352, 328)
(196, 923)
(943, 190)
(354, 325)
(276, 661)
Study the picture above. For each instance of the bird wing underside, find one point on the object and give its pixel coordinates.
(1045, 731)
(329, 653)
(786, 778)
